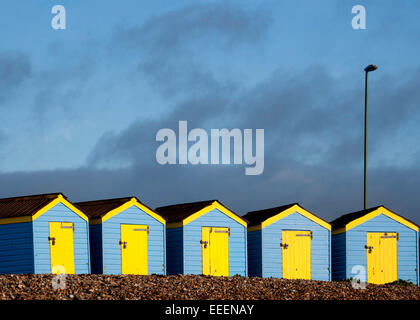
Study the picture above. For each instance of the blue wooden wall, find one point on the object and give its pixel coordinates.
(190, 248)
(355, 253)
(174, 250)
(41, 244)
(268, 242)
(16, 248)
(96, 257)
(111, 235)
(254, 254)
(339, 257)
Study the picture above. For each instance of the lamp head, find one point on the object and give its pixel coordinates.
(371, 67)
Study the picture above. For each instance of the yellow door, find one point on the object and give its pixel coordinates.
(381, 255)
(296, 254)
(215, 251)
(134, 249)
(205, 249)
(61, 247)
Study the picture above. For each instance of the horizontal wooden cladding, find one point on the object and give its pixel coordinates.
(184, 250)
(110, 237)
(61, 213)
(265, 253)
(348, 248)
(16, 248)
(175, 251)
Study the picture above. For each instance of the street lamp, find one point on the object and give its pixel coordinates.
(369, 68)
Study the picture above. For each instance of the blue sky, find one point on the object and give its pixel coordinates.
(80, 107)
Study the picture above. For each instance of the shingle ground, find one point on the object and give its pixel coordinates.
(102, 287)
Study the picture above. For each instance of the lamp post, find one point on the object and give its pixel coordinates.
(369, 68)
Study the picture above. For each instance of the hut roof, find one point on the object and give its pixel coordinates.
(349, 217)
(99, 208)
(256, 217)
(179, 212)
(25, 205)
(259, 218)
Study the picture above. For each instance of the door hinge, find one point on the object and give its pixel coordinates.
(370, 248)
(52, 239)
(204, 242)
(123, 243)
(284, 245)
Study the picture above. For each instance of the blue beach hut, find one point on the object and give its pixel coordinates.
(205, 238)
(375, 245)
(288, 242)
(43, 234)
(126, 237)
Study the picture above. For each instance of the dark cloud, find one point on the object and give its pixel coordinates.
(312, 121)
(313, 138)
(3, 140)
(14, 69)
(327, 191)
(170, 46)
(137, 143)
(58, 88)
(178, 29)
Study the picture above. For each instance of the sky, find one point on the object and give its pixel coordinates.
(80, 107)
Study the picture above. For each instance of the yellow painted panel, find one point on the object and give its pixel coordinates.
(15, 220)
(220, 252)
(133, 245)
(205, 249)
(296, 254)
(61, 247)
(215, 251)
(381, 256)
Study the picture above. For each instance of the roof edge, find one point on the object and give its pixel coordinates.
(211, 204)
(34, 196)
(127, 203)
(372, 213)
(289, 209)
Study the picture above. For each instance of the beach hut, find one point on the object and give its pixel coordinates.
(376, 245)
(205, 238)
(43, 234)
(288, 242)
(126, 237)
